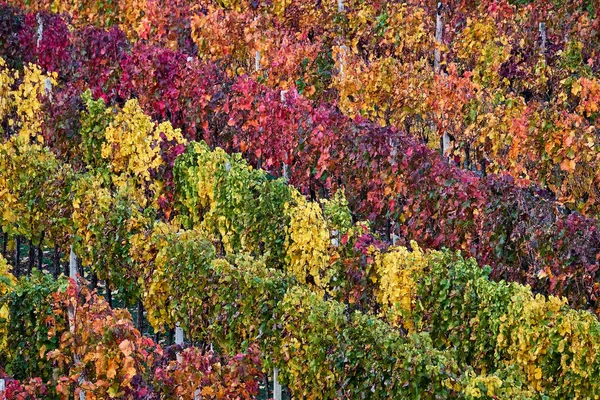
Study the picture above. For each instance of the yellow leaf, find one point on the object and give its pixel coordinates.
(576, 88)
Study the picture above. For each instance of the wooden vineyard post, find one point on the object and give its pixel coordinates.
(179, 342)
(544, 38)
(335, 238)
(439, 30)
(342, 59)
(256, 58)
(342, 56)
(48, 88)
(438, 38)
(178, 339)
(285, 172)
(276, 385)
(277, 392)
(40, 30)
(394, 238)
(72, 315)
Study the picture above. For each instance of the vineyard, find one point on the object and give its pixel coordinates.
(235, 199)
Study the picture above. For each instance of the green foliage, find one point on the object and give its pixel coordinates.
(337, 213)
(252, 208)
(33, 326)
(94, 121)
(460, 308)
(240, 206)
(229, 302)
(104, 221)
(326, 353)
(510, 342)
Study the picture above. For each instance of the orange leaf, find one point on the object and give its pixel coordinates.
(111, 372)
(568, 165)
(126, 347)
